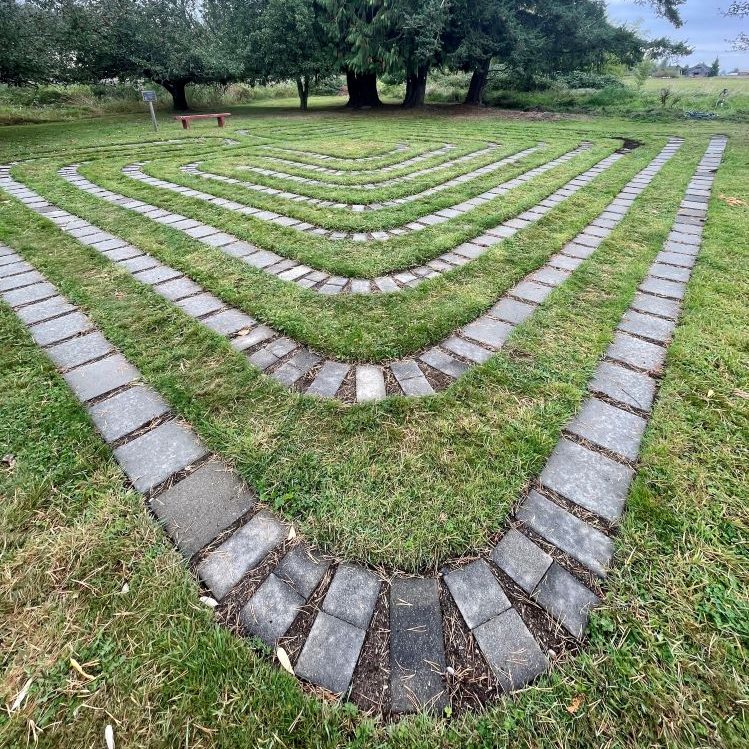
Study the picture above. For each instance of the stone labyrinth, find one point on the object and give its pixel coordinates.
(391, 642)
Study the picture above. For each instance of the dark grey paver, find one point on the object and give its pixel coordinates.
(624, 385)
(302, 569)
(477, 593)
(417, 652)
(127, 411)
(29, 294)
(41, 311)
(60, 328)
(530, 291)
(352, 595)
(488, 331)
(443, 362)
(179, 288)
(195, 510)
(668, 289)
(588, 479)
(243, 551)
(572, 535)
(656, 305)
(152, 458)
(511, 650)
(636, 352)
(647, 326)
(466, 349)
(271, 610)
(22, 279)
(522, 560)
(512, 310)
(328, 379)
(201, 304)
(609, 427)
(97, 378)
(566, 599)
(296, 367)
(79, 350)
(330, 653)
(156, 274)
(229, 321)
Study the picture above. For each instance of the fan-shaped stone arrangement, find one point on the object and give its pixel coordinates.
(389, 641)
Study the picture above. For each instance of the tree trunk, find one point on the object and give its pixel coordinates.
(179, 95)
(362, 90)
(302, 87)
(476, 88)
(416, 88)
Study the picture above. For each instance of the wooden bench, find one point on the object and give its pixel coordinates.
(185, 118)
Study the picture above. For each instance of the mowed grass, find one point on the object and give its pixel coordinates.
(402, 483)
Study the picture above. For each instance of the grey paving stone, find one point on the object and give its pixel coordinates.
(510, 650)
(41, 311)
(218, 240)
(370, 383)
(296, 367)
(195, 510)
(142, 262)
(302, 569)
(477, 593)
(60, 328)
(238, 249)
(29, 294)
(675, 258)
(79, 350)
(101, 377)
(123, 253)
(201, 304)
(152, 458)
(157, 274)
(330, 653)
(669, 273)
(179, 288)
(532, 292)
(466, 349)
(522, 560)
(328, 379)
(624, 385)
(127, 411)
(647, 326)
(550, 276)
(12, 269)
(611, 428)
(417, 653)
(229, 321)
(243, 551)
(488, 331)
(570, 534)
(636, 352)
(656, 305)
(668, 289)
(566, 599)
(352, 595)
(588, 479)
(21, 280)
(512, 310)
(271, 610)
(443, 362)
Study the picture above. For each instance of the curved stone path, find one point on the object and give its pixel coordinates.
(296, 366)
(194, 170)
(135, 171)
(385, 642)
(319, 281)
(399, 148)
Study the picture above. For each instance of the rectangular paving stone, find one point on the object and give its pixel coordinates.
(127, 411)
(655, 305)
(466, 349)
(157, 274)
(22, 279)
(142, 262)
(488, 331)
(127, 252)
(153, 457)
(669, 273)
(60, 328)
(302, 569)
(229, 321)
(588, 479)
(296, 367)
(328, 380)
(624, 385)
(636, 352)
(100, 377)
(612, 428)
(197, 509)
(271, 610)
(522, 560)
(647, 326)
(566, 599)
(370, 383)
(417, 652)
(330, 653)
(512, 310)
(201, 304)
(570, 534)
(177, 289)
(510, 650)
(352, 595)
(79, 350)
(477, 593)
(241, 552)
(218, 240)
(443, 362)
(12, 269)
(29, 294)
(41, 311)
(668, 289)
(532, 292)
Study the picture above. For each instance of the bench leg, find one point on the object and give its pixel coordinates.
(220, 121)
(185, 124)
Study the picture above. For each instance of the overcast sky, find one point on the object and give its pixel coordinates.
(705, 29)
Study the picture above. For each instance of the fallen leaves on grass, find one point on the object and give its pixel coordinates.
(733, 202)
(283, 659)
(21, 696)
(576, 704)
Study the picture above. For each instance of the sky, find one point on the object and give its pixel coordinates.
(705, 29)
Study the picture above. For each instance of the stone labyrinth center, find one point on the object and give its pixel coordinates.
(364, 296)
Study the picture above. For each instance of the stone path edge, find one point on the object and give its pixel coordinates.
(558, 542)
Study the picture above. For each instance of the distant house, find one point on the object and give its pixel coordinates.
(697, 71)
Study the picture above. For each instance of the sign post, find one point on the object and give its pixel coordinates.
(150, 97)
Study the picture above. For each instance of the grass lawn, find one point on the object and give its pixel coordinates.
(99, 611)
